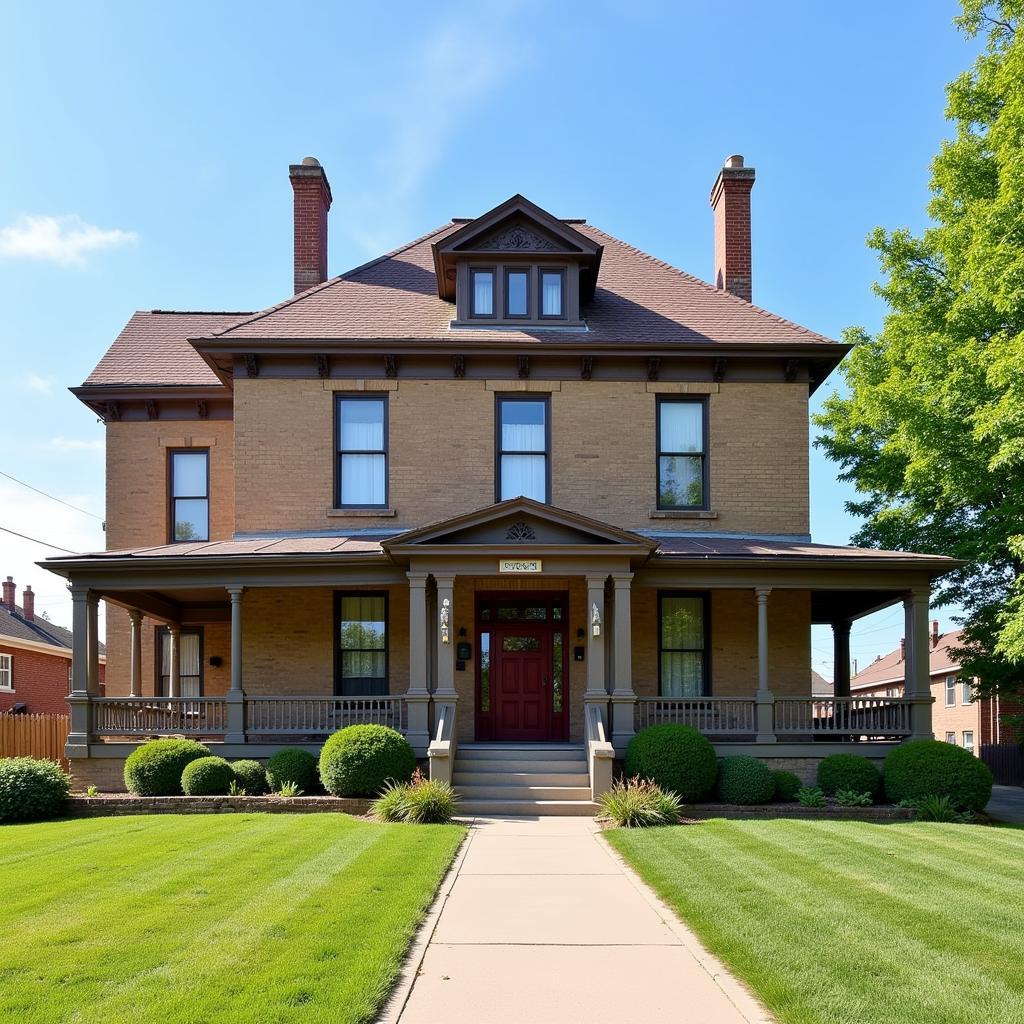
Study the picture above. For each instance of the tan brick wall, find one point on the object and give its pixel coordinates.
(441, 440)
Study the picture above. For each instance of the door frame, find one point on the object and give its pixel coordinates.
(484, 721)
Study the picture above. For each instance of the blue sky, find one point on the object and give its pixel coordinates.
(149, 146)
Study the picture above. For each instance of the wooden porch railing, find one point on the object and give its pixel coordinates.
(153, 716)
(715, 716)
(872, 717)
(312, 716)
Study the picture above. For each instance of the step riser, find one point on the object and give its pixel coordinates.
(524, 792)
(520, 767)
(473, 778)
(529, 808)
(514, 754)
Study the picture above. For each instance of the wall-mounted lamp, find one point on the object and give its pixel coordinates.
(595, 619)
(580, 633)
(445, 614)
(215, 661)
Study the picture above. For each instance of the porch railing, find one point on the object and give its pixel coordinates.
(311, 716)
(870, 717)
(152, 716)
(721, 716)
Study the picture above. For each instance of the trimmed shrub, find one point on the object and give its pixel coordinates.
(251, 776)
(849, 772)
(675, 757)
(360, 759)
(31, 789)
(787, 785)
(923, 768)
(207, 776)
(745, 780)
(295, 766)
(155, 768)
(639, 803)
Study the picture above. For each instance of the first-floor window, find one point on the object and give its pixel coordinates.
(190, 663)
(969, 740)
(6, 672)
(951, 738)
(682, 643)
(362, 632)
(950, 691)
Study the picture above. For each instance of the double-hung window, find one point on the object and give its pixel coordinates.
(682, 454)
(190, 663)
(6, 672)
(361, 627)
(951, 738)
(950, 691)
(190, 494)
(362, 439)
(682, 645)
(523, 448)
(966, 695)
(969, 740)
(481, 292)
(552, 294)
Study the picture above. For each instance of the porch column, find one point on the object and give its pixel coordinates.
(597, 689)
(93, 649)
(445, 638)
(417, 697)
(841, 657)
(135, 617)
(174, 669)
(765, 699)
(236, 695)
(916, 676)
(623, 695)
(80, 725)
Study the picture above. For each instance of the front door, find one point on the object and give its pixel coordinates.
(522, 677)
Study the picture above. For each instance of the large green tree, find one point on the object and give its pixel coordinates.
(932, 431)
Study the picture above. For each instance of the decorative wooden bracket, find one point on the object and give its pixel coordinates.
(524, 367)
(718, 369)
(323, 366)
(792, 369)
(391, 366)
(653, 368)
(459, 366)
(151, 409)
(586, 367)
(112, 412)
(202, 410)
(252, 365)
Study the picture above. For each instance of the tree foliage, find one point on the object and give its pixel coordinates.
(932, 431)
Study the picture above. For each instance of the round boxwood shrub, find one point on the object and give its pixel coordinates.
(361, 759)
(293, 765)
(745, 780)
(207, 776)
(787, 785)
(250, 776)
(31, 789)
(155, 768)
(676, 757)
(923, 768)
(850, 772)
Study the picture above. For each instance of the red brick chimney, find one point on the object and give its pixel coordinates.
(730, 200)
(9, 593)
(935, 632)
(312, 201)
(28, 604)
(903, 648)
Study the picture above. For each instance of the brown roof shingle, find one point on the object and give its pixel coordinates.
(889, 668)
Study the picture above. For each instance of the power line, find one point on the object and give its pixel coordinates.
(36, 540)
(52, 497)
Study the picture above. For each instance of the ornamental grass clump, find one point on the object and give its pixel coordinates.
(676, 757)
(207, 776)
(361, 759)
(849, 772)
(419, 802)
(31, 789)
(925, 768)
(639, 803)
(155, 769)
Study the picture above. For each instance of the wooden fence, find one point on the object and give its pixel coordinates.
(34, 736)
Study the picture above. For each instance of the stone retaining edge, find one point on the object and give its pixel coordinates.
(115, 804)
(884, 812)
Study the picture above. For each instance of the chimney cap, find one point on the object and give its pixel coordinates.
(736, 160)
(311, 161)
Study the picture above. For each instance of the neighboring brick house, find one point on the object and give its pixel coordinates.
(516, 482)
(958, 716)
(35, 658)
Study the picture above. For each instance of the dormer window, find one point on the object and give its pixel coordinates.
(517, 293)
(482, 292)
(552, 294)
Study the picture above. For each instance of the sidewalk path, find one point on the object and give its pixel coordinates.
(539, 922)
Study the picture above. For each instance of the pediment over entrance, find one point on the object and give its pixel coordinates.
(520, 524)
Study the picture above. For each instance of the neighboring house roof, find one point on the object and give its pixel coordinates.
(889, 668)
(40, 631)
(820, 686)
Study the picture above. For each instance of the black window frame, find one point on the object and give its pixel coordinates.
(659, 453)
(160, 632)
(541, 315)
(527, 273)
(339, 680)
(382, 399)
(523, 396)
(474, 315)
(173, 499)
(705, 597)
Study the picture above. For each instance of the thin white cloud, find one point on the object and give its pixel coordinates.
(40, 385)
(67, 241)
(75, 444)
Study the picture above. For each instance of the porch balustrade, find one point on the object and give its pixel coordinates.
(713, 716)
(320, 715)
(151, 716)
(870, 717)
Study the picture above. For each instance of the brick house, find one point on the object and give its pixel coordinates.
(515, 486)
(35, 658)
(958, 716)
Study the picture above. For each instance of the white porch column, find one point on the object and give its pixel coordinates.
(80, 725)
(597, 688)
(236, 695)
(765, 700)
(623, 695)
(135, 617)
(445, 627)
(916, 676)
(174, 669)
(93, 641)
(417, 697)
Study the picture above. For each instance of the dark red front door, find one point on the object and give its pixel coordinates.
(522, 684)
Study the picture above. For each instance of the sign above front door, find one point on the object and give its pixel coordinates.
(519, 565)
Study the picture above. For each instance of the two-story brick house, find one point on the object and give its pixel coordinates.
(514, 483)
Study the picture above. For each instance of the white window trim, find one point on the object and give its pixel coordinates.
(951, 737)
(964, 735)
(7, 672)
(950, 692)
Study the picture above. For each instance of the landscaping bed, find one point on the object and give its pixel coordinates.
(831, 812)
(79, 806)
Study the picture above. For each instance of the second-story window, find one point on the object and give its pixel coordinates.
(190, 494)
(362, 452)
(552, 293)
(523, 448)
(682, 457)
(950, 691)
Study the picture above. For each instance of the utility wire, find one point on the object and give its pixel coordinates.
(36, 540)
(52, 497)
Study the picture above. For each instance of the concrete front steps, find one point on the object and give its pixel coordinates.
(523, 778)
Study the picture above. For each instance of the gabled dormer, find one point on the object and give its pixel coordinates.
(517, 266)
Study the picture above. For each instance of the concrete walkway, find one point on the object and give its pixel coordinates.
(1007, 804)
(540, 922)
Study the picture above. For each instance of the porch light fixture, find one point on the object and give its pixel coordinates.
(445, 612)
(595, 619)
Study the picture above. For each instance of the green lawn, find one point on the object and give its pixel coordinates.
(196, 919)
(849, 922)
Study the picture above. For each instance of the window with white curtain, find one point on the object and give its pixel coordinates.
(523, 447)
(362, 451)
(552, 293)
(481, 297)
(969, 740)
(6, 672)
(190, 661)
(190, 494)
(362, 631)
(681, 454)
(950, 691)
(682, 645)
